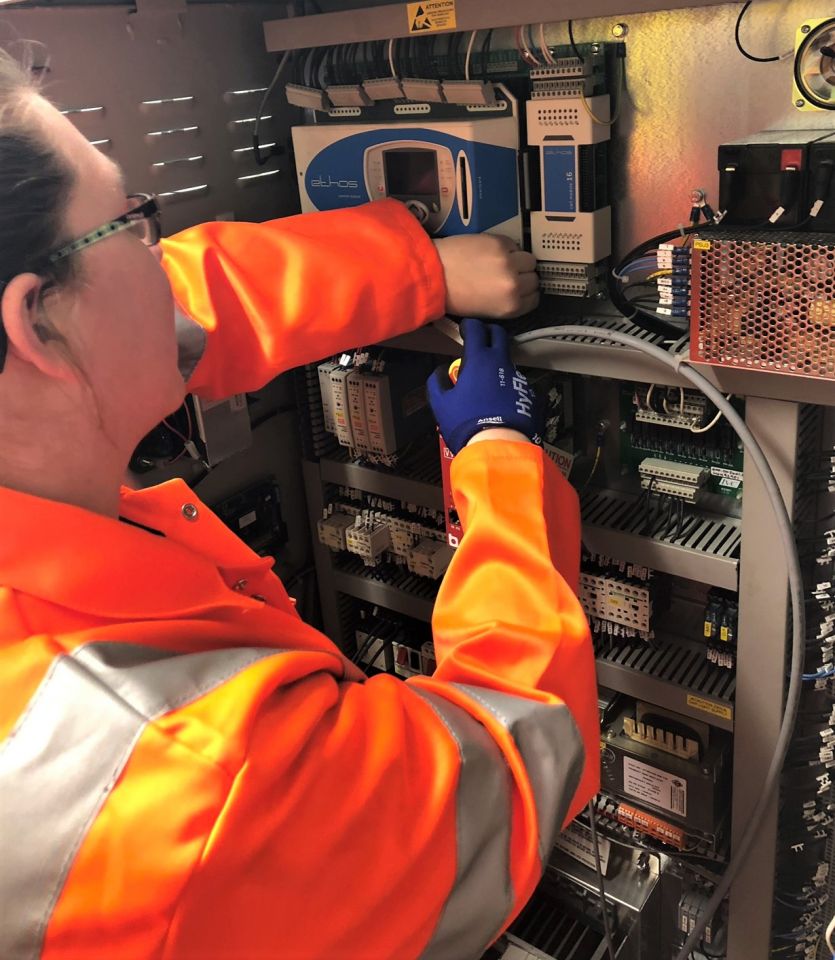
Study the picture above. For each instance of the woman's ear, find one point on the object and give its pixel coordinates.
(29, 338)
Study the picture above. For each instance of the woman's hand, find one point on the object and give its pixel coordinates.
(487, 276)
(488, 392)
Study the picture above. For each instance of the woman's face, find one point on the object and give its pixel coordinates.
(119, 317)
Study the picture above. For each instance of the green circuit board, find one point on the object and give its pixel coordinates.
(718, 449)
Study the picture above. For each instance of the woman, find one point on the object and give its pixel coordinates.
(186, 769)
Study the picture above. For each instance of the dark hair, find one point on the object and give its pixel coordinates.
(34, 188)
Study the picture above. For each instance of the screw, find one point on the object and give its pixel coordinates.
(620, 30)
(697, 196)
(800, 103)
(189, 511)
(805, 28)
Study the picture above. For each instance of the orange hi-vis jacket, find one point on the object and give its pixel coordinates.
(188, 771)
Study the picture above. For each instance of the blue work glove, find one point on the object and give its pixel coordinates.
(490, 391)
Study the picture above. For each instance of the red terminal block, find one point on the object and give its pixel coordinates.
(791, 159)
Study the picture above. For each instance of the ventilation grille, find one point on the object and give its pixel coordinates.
(422, 465)
(547, 927)
(671, 664)
(714, 536)
(389, 575)
(766, 304)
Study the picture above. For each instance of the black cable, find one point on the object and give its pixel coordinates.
(383, 648)
(455, 55)
(577, 53)
(422, 59)
(275, 150)
(354, 70)
(485, 52)
(742, 50)
(372, 636)
(607, 929)
(378, 55)
(411, 57)
(640, 317)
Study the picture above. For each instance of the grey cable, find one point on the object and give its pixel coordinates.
(607, 928)
(784, 526)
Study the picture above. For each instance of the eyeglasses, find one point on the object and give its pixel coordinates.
(143, 220)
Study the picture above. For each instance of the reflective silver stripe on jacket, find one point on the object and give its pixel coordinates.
(62, 759)
(191, 343)
(551, 748)
(482, 896)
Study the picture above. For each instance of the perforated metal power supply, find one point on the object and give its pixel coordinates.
(764, 300)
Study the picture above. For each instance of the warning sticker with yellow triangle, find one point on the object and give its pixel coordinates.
(431, 15)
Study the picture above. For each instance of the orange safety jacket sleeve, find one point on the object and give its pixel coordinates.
(374, 819)
(256, 299)
(383, 819)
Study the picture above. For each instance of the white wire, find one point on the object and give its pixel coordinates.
(543, 46)
(391, 58)
(679, 364)
(666, 406)
(469, 55)
(526, 49)
(713, 422)
(829, 931)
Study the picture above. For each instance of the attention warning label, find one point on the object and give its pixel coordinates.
(433, 15)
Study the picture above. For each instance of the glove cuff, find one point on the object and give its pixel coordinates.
(464, 432)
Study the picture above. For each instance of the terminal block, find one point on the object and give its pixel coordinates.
(671, 407)
(368, 539)
(614, 599)
(332, 530)
(571, 279)
(680, 480)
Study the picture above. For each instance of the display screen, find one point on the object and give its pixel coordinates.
(411, 173)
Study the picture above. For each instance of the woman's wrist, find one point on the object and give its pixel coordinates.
(499, 433)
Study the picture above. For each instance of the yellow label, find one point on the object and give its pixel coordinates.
(707, 706)
(708, 629)
(723, 634)
(432, 15)
(701, 244)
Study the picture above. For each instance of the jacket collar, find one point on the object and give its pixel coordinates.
(93, 564)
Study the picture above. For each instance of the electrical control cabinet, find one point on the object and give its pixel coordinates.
(677, 541)
(682, 573)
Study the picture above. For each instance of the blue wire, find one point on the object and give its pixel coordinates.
(640, 264)
(819, 676)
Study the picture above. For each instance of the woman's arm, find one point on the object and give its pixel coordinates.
(256, 299)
